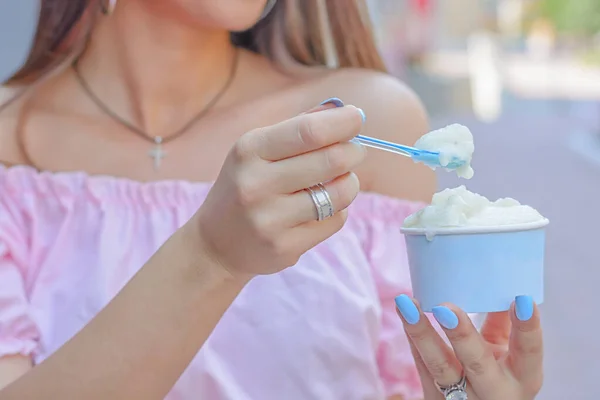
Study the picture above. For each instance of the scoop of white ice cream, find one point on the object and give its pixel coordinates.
(453, 141)
(458, 207)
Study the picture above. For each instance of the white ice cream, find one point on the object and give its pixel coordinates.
(453, 142)
(458, 207)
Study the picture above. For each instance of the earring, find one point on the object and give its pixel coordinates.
(268, 7)
(108, 6)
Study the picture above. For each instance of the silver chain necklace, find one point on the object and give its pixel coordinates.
(156, 152)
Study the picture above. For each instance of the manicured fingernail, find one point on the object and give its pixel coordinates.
(333, 100)
(407, 308)
(362, 115)
(524, 307)
(445, 317)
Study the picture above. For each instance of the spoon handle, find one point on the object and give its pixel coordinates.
(406, 151)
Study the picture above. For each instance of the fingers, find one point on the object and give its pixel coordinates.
(475, 355)
(430, 390)
(525, 354)
(496, 328)
(342, 191)
(435, 354)
(314, 232)
(307, 132)
(484, 373)
(298, 208)
(297, 173)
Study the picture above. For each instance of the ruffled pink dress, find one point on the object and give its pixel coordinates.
(325, 329)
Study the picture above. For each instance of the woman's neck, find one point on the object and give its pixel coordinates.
(152, 71)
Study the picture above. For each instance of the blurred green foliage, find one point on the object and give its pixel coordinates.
(578, 17)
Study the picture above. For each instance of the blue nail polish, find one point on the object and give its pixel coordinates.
(524, 307)
(407, 308)
(445, 317)
(362, 114)
(335, 101)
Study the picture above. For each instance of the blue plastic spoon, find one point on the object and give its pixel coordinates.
(429, 158)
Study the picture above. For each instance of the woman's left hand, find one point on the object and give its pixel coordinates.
(504, 361)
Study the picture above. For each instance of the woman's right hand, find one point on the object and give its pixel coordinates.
(258, 219)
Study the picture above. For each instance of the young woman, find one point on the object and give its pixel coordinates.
(132, 109)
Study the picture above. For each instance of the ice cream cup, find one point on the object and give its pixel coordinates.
(479, 269)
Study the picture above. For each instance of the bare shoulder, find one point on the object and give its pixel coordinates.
(394, 113)
(9, 119)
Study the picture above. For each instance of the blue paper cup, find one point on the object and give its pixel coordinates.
(478, 269)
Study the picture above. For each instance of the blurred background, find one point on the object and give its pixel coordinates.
(524, 75)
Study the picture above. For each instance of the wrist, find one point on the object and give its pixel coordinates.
(202, 262)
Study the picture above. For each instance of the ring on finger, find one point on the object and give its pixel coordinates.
(458, 391)
(322, 201)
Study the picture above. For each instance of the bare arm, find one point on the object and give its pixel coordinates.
(12, 367)
(160, 319)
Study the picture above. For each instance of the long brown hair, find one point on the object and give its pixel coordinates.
(336, 33)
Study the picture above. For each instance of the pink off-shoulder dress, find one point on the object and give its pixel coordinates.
(325, 329)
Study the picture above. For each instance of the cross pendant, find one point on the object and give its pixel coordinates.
(157, 153)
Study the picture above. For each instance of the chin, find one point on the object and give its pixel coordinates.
(231, 15)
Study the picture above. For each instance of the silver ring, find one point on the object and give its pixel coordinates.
(458, 391)
(322, 201)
